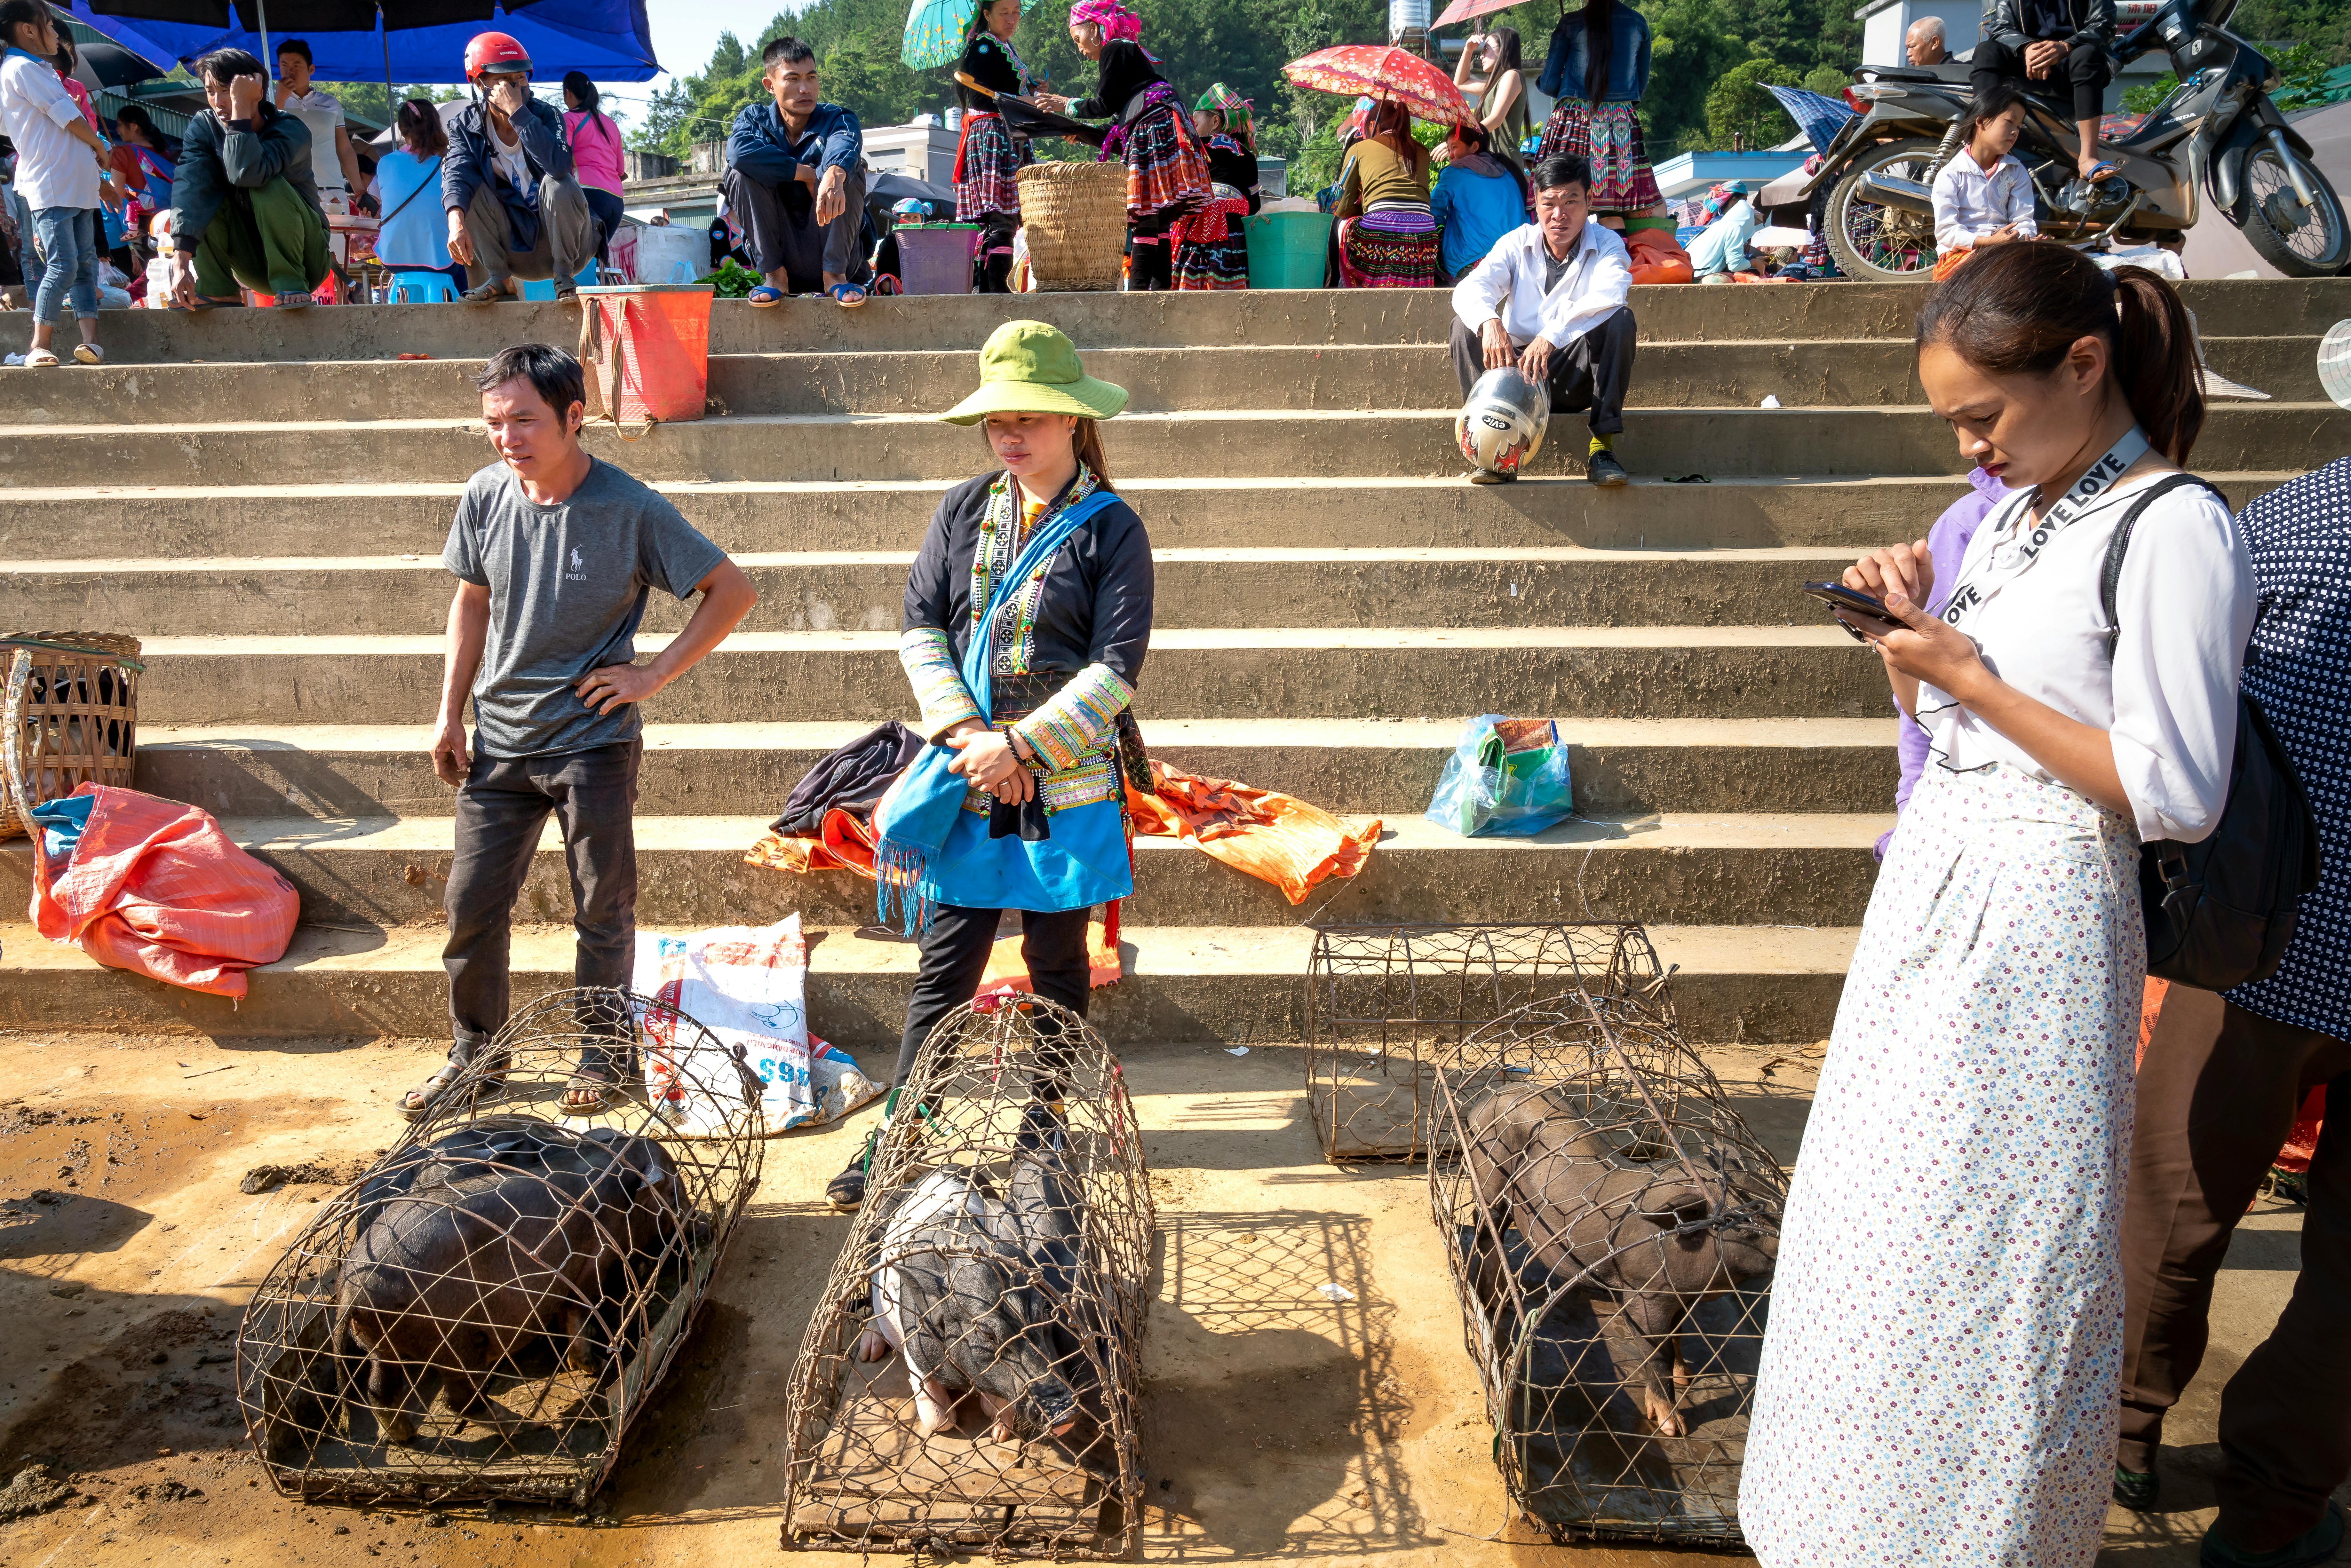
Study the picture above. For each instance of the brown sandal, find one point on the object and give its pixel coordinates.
(419, 1102)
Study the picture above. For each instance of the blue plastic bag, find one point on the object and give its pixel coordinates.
(1506, 778)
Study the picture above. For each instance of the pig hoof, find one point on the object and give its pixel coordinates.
(872, 1347)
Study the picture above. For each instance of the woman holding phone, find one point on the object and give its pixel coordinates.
(1945, 1348)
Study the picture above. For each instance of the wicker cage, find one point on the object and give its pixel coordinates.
(1004, 1246)
(1382, 1001)
(1610, 1225)
(71, 716)
(1076, 217)
(486, 1312)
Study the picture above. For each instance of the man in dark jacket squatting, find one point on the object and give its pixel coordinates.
(245, 208)
(795, 182)
(516, 208)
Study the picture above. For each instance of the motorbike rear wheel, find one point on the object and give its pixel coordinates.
(1878, 243)
(2300, 241)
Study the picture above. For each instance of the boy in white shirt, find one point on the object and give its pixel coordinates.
(297, 91)
(1984, 196)
(57, 179)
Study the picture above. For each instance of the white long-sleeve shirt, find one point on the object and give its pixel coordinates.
(1510, 284)
(54, 169)
(1971, 201)
(2166, 697)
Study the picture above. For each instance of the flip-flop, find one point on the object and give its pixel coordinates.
(766, 293)
(206, 302)
(843, 292)
(2101, 170)
(483, 294)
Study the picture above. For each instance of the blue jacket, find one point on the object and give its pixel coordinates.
(1629, 57)
(539, 128)
(1476, 209)
(765, 151)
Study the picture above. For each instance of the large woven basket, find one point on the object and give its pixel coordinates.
(1076, 217)
(70, 716)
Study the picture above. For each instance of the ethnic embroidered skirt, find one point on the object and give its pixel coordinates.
(1609, 138)
(1211, 248)
(988, 169)
(1939, 1383)
(1389, 247)
(1166, 172)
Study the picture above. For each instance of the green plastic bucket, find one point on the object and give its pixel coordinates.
(1286, 249)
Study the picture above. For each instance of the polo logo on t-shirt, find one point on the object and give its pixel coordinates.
(579, 572)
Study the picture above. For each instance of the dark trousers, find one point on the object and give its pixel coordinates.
(609, 210)
(955, 949)
(780, 230)
(501, 811)
(2084, 71)
(991, 265)
(1592, 372)
(2217, 1096)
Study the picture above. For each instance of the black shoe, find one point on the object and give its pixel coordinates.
(2138, 1492)
(846, 1192)
(2315, 1546)
(1603, 469)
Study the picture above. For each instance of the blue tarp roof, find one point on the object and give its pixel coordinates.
(609, 40)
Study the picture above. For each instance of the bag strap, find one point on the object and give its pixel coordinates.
(2110, 575)
(411, 195)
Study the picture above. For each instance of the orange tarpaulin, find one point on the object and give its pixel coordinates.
(156, 887)
(1657, 257)
(1271, 837)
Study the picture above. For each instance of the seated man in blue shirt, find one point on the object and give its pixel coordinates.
(795, 182)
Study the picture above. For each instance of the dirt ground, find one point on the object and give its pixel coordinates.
(1277, 1423)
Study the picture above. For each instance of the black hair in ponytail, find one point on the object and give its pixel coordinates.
(2017, 310)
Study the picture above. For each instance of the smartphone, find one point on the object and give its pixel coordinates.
(1851, 606)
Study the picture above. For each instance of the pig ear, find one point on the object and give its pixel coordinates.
(1681, 1204)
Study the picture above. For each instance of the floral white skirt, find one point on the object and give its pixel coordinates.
(1939, 1377)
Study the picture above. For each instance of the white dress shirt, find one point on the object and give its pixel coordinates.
(1510, 284)
(53, 168)
(2166, 697)
(1971, 201)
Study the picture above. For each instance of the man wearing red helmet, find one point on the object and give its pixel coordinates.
(515, 208)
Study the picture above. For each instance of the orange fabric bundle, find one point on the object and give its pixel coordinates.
(156, 887)
(847, 845)
(1657, 257)
(1948, 263)
(1007, 970)
(1273, 838)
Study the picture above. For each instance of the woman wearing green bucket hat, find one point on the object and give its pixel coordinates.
(1026, 615)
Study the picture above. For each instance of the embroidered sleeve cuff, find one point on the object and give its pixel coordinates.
(929, 658)
(1079, 720)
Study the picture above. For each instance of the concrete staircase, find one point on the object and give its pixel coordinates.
(262, 498)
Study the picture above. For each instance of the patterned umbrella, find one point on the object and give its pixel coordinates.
(1381, 71)
(935, 31)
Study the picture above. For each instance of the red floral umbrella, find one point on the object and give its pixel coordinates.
(1381, 71)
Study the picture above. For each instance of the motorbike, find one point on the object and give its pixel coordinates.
(2215, 135)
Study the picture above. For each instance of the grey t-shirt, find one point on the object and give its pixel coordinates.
(567, 585)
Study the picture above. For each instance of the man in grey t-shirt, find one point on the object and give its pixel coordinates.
(555, 553)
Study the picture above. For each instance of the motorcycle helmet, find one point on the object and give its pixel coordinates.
(1501, 426)
(494, 52)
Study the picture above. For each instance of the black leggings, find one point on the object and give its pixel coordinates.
(2085, 69)
(1153, 263)
(954, 951)
(991, 266)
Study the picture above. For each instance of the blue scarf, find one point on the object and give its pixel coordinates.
(912, 822)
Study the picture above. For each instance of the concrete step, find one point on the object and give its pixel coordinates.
(1368, 766)
(1195, 983)
(81, 523)
(866, 591)
(1797, 672)
(1243, 444)
(1691, 312)
(1850, 372)
(1713, 870)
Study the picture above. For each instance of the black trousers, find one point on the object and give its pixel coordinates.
(2086, 71)
(608, 209)
(2217, 1095)
(955, 949)
(501, 811)
(1592, 372)
(991, 264)
(780, 230)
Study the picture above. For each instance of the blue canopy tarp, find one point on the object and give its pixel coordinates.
(609, 40)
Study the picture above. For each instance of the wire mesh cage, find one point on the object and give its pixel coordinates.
(485, 1311)
(1611, 1225)
(1382, 1001)
(969, 1381)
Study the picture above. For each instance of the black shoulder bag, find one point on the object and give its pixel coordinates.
(2220, 912)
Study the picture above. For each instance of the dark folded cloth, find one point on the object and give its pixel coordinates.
(850, 779)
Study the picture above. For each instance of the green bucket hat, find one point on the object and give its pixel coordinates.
(1029, 367)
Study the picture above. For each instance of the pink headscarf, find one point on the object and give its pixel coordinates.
(1116, 21)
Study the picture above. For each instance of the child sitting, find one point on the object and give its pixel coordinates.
(1984, 196)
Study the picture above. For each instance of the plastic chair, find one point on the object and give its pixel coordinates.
(545, 287)
(423, 289)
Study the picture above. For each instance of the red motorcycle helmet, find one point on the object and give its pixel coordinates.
(494, 52)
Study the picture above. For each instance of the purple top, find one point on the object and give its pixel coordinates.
(1946, 543)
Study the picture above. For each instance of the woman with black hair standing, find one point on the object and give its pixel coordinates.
(596, 154)
(1939, 1379)
(988, 156)
(1598, 68)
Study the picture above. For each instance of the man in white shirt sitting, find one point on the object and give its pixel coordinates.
(1550, 298)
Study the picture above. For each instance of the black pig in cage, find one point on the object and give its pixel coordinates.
(485, 1313)
(1611, 1226)
(968, 1380)
(1383, 1002)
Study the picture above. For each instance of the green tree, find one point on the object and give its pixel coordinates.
(1827, 80)
(1738, 109)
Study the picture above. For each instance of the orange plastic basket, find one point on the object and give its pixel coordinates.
(647, 350)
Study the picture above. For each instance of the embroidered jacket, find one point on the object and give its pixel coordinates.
(1069, 643)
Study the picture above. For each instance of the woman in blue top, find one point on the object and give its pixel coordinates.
(413, 236)
(1480, 196)
(1598, 69)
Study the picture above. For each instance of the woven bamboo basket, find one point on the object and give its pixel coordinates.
(1076, 217)
(70, 716)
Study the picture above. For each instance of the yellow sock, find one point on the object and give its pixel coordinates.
(1602, 444)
